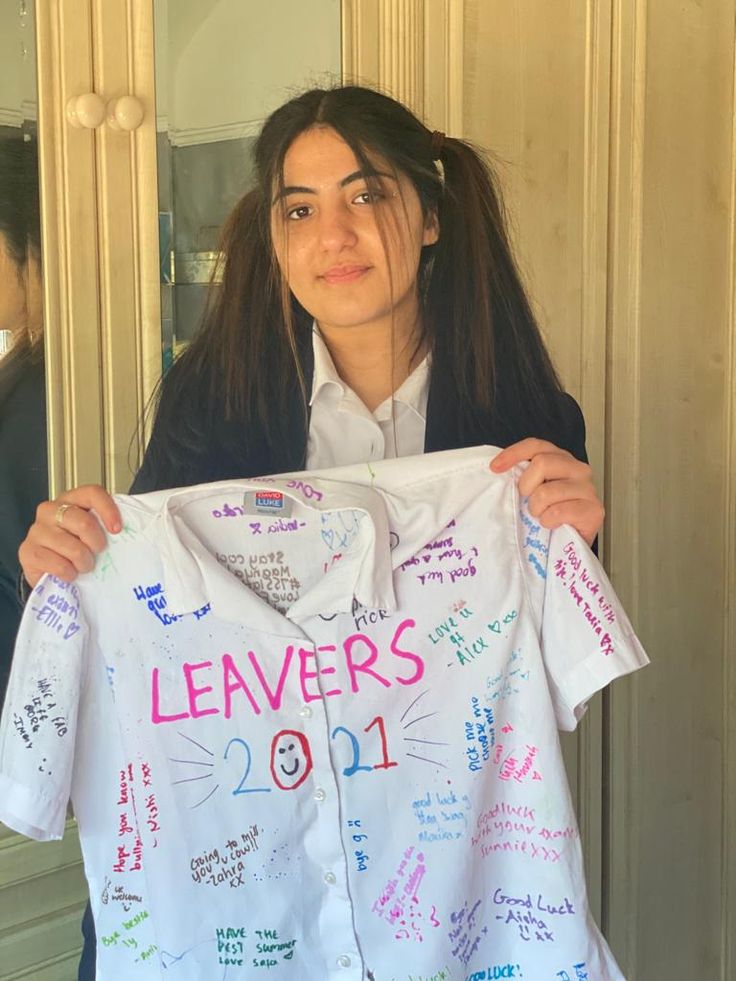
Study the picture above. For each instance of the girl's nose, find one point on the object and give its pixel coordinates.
(336, 227)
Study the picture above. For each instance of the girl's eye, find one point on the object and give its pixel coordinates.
(370, 196)
(299, 212)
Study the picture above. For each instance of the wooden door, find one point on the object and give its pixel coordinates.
(615, 121)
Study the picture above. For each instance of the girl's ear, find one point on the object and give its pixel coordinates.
(431, 228)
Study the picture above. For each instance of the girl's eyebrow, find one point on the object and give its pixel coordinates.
(357, 175)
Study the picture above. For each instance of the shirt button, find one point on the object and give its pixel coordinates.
(319, 794)
(330, 878)
(343, 961)
(305, 712)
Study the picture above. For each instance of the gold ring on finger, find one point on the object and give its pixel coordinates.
(62, 508)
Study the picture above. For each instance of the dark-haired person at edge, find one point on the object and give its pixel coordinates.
(370, 308)
(23, 467)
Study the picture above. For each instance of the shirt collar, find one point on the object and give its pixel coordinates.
(193, 577)
(325, 372)
(424, 493)
(418, 495)
(412, 392)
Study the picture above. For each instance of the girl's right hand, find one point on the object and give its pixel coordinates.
(65, 537)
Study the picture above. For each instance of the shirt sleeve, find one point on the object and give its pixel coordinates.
(39, 720)
(586, 639)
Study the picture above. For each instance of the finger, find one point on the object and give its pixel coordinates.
(552, 467)
(585, 516)
(74, 521)
(525, 449)
(36, 560)
(556, 492)
(94, 497)
(67, 545)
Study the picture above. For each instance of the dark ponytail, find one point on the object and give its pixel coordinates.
(483, 330)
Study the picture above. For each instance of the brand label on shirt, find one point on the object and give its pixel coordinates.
(267, 502)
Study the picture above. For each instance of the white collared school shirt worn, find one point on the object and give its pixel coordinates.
(343, 431)
(309, 728)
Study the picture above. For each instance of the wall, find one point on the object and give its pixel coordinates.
(227, 64)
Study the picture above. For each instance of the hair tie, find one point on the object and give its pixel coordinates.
(437, 143)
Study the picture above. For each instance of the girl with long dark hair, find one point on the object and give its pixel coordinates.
(370, 307)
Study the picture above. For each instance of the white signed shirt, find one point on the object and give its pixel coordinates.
(309, 724)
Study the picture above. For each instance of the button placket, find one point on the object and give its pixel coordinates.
(323, 839)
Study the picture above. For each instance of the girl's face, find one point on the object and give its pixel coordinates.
(326, 228)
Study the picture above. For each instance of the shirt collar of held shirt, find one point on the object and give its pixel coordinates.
(412, 393)
(423, 493)
(193, 577)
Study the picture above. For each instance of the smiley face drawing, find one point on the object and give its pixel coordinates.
(291, 759)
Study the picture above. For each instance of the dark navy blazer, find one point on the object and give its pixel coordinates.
(23, 483)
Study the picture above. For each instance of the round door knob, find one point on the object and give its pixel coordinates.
(86, 111)
(125, 113)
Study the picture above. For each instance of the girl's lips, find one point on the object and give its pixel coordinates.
(344, 274)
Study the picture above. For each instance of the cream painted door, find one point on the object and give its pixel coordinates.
(615, 122)
(96, 282)
(94, 307)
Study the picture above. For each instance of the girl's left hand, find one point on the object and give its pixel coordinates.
(559, 487)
